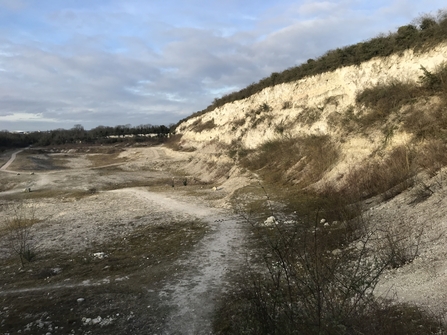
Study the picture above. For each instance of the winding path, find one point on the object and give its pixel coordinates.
(192, 292)
(11, 160)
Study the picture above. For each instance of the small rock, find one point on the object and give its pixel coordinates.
(271, 220)
(99, 255)
(86, 321)
(80, 300)
(336, 252)
(322, 221)
(97, 320)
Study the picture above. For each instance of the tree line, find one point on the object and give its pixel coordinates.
(78, 135)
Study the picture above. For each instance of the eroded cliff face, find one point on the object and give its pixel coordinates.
(303, 107)
(316, 105)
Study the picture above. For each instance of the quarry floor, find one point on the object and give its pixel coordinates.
(128, 242)
(125, 243)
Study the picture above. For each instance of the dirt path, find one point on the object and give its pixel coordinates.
(191, 293)
(11, 160)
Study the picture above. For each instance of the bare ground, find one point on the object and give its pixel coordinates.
(122, 244)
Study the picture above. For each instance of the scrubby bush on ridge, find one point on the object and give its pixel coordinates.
(425, 33)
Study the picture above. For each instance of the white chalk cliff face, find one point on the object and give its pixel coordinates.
(303, 107)
(309, 107)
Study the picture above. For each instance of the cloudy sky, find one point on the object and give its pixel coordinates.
(116, 62)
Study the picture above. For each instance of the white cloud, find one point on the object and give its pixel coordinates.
(37, 117)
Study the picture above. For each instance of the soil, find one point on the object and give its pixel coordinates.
(124, 243)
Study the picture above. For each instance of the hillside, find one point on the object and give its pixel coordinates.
(321, 105)
(372, 135)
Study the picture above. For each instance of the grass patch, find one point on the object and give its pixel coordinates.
(427, 123)
(309, 115)
(198, 126)
(384, 99)
(98, 160)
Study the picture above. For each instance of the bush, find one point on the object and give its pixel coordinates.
(18, 232)
(388, 177)
(304, 278)
(298, 161)
(384, 99)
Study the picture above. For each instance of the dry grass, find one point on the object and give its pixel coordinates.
(175, 143)
(388, 176)
(120, 285)
(98, 160)
(427, 123)
(309, 115)
(198, 126)
(293, 161)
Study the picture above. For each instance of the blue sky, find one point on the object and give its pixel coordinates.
(155, 62)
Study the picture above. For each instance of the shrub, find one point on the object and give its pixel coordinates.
(437, 81)
(299, 161)
(309, 116)
(199, 126)
(305, 280)
(384, 99)
(287, 105)
(18, 232)
(388, 177)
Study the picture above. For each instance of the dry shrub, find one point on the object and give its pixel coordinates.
(19, 236)
(300, 161)
(382, 100)
(427, 123)
(175, 143)
(432, 156)
(305, 281)
(199, 126)
(389, 176)
(309, 116)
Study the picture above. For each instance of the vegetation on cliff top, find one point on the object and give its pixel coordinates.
(424, 33)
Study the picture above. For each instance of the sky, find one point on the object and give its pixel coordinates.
(110, 62)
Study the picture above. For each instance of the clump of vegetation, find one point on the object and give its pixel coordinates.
(385, 99)
(294, 161)
(18, 232)
(198, 126)
(287, 105)
(309, 115)
(303, 279)
(388, 176)
(382, 100)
